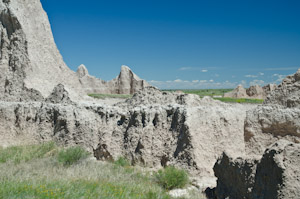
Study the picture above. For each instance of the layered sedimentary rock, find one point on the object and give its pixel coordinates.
(275, 175)
(31, 66)
(183, 132)
(126, 83)
(278, 118)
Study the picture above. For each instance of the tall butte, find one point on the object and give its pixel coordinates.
(31, 65)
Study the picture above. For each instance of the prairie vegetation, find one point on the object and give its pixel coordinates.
(48, 171)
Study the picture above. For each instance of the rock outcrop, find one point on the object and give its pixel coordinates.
(254, 92)
(126, 83)
(275, 175)
(156, 134)
(31, 66)
(238, 92)
(287, 93)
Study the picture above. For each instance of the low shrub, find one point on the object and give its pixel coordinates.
(171, 178)
(71, 155)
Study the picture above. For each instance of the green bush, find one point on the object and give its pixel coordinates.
(71, 155)
(123, 162)
(171, 178)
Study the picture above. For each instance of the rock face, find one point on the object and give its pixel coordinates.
(275, 175)
(156, 134)
(287, 93)
(31, 66)
(255, 92)
(126, 83)
(266, 124)
(238, 92)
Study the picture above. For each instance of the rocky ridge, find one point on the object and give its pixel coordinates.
(126, 83)
(255, 92)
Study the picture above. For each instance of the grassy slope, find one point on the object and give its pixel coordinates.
(35, 172)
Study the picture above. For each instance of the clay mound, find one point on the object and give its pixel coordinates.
(256, 92)
(238, 92)
(287, 93)
(59, 96)
(126, 83)
(275, 175)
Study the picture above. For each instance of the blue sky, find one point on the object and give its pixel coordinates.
(180, 44)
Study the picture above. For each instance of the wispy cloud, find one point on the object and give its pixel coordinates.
(257, 82)
(281, 69)
(204, 71)
(251, 76)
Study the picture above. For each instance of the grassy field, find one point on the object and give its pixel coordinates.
(36, 171)
(219, 92)
(204, 92)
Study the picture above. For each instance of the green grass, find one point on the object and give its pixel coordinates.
(219, 92)
(71, 155)
(104, 96)
(123, 162)
(240, 100)
(39, 174)
(18, 154)
(204, 92)
(171, 178)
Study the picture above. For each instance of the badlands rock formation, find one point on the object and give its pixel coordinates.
(238, 92)
(270, 168)
(171, 129)
(287, 93)
(255, 92)
(31, 66)
(275, 175)
(126, 83)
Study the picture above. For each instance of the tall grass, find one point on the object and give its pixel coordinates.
(40, 175)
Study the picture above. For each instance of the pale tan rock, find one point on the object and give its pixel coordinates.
(238, 92)
(30, 60)
(126, 83)
(287, 93)
(275, 175)
(256, 92)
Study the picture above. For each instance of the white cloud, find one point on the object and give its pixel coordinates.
(195, 81)
(178, 80)
(211, 80)
(257, 82)
(282, 69)
(186, 68)
(251, 76)
(261, 74)
(204, 70)
(279, 77)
